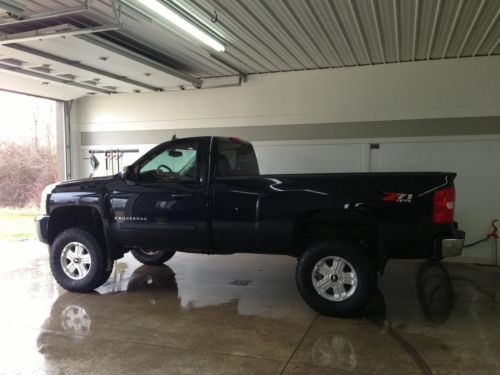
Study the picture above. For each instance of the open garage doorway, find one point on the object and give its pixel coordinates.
(31, 157)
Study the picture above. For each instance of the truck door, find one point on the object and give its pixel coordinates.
(166, 207)
(235, 197)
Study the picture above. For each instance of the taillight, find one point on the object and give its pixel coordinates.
(443, 206)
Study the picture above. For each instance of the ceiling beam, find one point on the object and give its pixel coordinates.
(50, 78)
(79, 65)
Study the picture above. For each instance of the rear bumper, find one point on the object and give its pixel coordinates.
(41, 224)
(451, 246)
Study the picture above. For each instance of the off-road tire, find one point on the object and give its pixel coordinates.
(156, 259)
(365, 271)
(98, 270)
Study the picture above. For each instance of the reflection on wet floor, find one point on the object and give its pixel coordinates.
(242, 314)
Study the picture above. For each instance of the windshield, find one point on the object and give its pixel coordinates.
(174, 162)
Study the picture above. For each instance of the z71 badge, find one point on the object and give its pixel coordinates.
(398, 197)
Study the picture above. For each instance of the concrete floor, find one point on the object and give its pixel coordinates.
(241, 314)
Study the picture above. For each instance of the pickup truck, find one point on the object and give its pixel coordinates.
(206, 195)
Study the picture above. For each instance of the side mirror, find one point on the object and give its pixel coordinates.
(128, 173)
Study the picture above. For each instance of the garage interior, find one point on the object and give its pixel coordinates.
(317, 87)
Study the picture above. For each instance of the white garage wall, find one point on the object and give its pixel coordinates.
(311, 157)
(429, 89)
(433, 115)
(476, 161)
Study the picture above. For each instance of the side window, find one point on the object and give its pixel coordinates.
(236, 159)
(174, 163)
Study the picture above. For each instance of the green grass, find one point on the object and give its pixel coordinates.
(17, 223)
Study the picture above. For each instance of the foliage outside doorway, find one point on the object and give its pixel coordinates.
(28, 160)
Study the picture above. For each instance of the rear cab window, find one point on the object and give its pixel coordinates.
(235, 158)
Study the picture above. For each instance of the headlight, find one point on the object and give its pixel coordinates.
(43, 199)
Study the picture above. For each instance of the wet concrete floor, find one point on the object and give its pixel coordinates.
(242, 314)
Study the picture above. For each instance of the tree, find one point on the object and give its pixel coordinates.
(27, 165)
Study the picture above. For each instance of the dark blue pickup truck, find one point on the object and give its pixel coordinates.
(206, 195)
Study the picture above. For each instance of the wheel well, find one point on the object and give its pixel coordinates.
(353, 228)
(71, 217)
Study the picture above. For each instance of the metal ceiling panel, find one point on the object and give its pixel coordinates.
(89, 62)
(310, 34)
(22, 84)
(263, 36)
(84, 51)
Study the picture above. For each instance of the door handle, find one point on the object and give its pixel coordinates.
(182, 195)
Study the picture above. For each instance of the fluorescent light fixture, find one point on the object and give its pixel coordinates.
(180, 22)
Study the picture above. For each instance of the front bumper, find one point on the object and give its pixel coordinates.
(42, 225)
(452, 246)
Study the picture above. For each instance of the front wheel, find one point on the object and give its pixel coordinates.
(152, 257)
(77, 260)
(335, 278)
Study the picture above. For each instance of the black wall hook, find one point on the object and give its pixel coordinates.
(215, 17)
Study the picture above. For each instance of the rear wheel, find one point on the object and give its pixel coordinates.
(335, 278)
(152, 257)
(77, 260)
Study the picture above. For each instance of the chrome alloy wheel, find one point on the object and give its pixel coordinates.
(334, 278)
(75, 260)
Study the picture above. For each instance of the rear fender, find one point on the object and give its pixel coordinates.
(354, 227)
